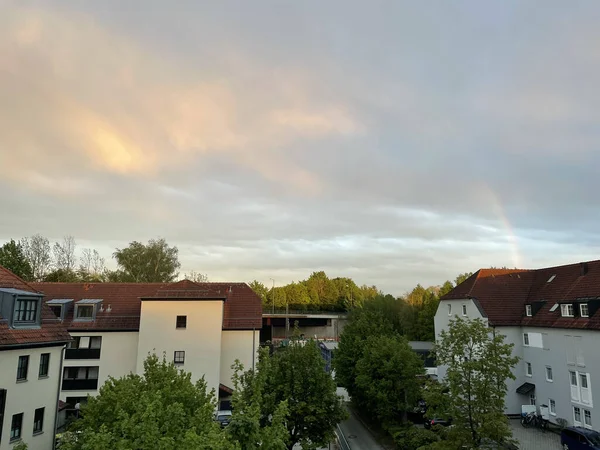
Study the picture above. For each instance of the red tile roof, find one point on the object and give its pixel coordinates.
(503, 294)
(242, 306)
(51, 330)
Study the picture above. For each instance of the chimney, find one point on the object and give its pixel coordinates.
(584, 268)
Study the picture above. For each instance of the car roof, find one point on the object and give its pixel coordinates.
(582, 430)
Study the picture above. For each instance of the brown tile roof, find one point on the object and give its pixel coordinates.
(51, 330)
(242, 306)
(503, 294)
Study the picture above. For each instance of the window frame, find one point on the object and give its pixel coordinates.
(23, 368)
(552, 406)
(181, 322)
(78, 308)
(96, 338)
(74, 344)
(549, 379)
(587, 413)
(587, 310)
(528, 369)
(13, 426)
(38, 429)
(577, 410)
(27, 300)
(464, 310)
(532, 399)
(44, 364)
(179, 357)
(526, 339)
(528, 311)
(565, 308)
(449, 309)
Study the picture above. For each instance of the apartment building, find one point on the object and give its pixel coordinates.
(31, 343)
(551, 316)
(201, 327)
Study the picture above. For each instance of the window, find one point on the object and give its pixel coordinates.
(38, 420)
(551, 278)
(179, 357)
(22, 368)
(581, 391)
(57, 310)
(181, 322)
(74, 344)
(528, 310)
(552, 407)
(576, 415)
(26, 310)
(566, 310)
(449, 309)
(2, 406)
(528, 370)
(526, 339)
(15, 426)
(583, 310)
(464, 310)
(587, 418)
(549, 375)
(85, 311)
(95, 341)
(80, 373)
(532, 399)
(44, 363)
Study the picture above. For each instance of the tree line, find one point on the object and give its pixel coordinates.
(35, 258)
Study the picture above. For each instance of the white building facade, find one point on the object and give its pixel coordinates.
(549, 315)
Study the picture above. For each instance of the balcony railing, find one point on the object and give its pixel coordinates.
(282, 311)
(82, 353)
(79, 385)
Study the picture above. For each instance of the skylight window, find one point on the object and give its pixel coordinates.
(551, 278)
(554, 307)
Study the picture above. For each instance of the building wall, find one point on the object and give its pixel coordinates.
(237, 344)
(201, 340)
(118, 357)
(26, 396)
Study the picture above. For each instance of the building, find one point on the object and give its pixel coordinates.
(551, 316)
(425, 350)
(202, 327)
(278, 325)
(31, 344)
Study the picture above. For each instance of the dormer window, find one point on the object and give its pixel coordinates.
(86, 309)
(566, 310)
(59, 307)
(583, 310)
(528, 311)
(26, 310)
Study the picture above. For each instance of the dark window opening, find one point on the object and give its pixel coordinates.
(22, 368)
(57, 310)
(2, 407)
(38, 420)
(179, 357)
(26, 310)
(85, 311)
(44, 364)
(75, 342)
(15, 427)
(95, 341)
(181, 322)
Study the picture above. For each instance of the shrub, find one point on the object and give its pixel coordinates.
(412, 438)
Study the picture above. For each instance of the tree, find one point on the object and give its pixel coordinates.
(153, 262)
(387, 375)
(462, 277)
(296, 374)
(91, 266)
(64, 255)
(62, 275)
(13, 258)
(261, 290)
(196, 277)
(37, 252)
(478, 365)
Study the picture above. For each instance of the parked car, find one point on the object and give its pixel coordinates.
(437, 421)
(577, 438)
(223, 417)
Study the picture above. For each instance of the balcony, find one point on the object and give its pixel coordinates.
(80, 385)
(82, 353)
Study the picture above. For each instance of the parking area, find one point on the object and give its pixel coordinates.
(533, 438)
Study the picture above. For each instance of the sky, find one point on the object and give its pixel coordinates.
(393, 142)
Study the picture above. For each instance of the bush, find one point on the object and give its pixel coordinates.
(412, 438)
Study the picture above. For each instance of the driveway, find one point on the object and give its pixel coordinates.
(358, 437)
(533, 438)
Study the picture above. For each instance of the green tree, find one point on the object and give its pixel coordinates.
(296, 374)
(37, 253)
(153, 262)
(462, 277)
(62, 275)
(446, 287)
(13, 258)
(387, 376)
(297, 295)
(478, 365)
(261, 290)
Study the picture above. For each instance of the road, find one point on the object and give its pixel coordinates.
(358, 437)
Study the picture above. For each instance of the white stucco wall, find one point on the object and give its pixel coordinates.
(118, 357)
(237, 344)
(25, 397)
(201, 340)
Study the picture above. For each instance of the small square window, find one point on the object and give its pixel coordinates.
(26, 310)
(57, 310)
(528, 312)
(449, 309)
(583, 310)
(38, 420)
(464, 310)
(566, 310)
(181, 322)
(179, 357)
(528, 370)
(16, 426)
(22, 368)
(85, 312)
(44, 364)
(526, 339)
(549, 375)
(552, 407)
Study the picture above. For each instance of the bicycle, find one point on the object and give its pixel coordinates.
(535, 420)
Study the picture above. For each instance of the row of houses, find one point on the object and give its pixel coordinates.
(59, 342)
(552, 317)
